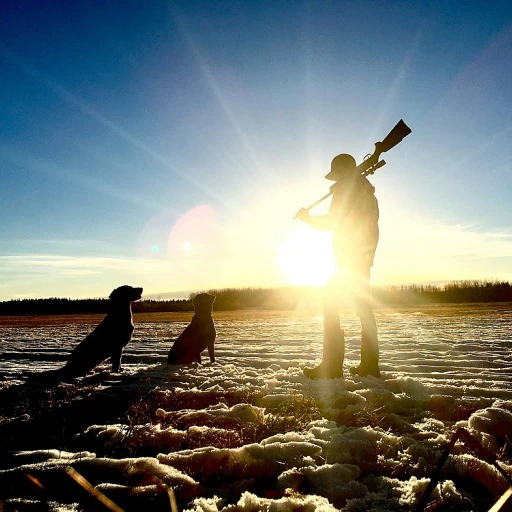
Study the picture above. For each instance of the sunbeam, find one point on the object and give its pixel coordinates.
(77, 178)
(216, 90)
(75, 101)
(396, 84)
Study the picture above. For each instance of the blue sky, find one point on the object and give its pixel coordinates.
(168, 144)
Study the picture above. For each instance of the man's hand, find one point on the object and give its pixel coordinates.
(303, 215)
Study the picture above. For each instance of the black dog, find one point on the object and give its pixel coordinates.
(109, 338)
(198, 335)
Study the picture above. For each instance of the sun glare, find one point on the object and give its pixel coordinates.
(306, 258)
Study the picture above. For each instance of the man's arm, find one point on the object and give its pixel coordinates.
(320, 222)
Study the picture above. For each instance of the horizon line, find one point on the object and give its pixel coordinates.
(185, 294)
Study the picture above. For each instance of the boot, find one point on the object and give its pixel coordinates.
(364, 371)
(331, 366)
(369, 355)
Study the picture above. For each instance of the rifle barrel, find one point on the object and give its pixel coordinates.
(373, 168)
(311, 206)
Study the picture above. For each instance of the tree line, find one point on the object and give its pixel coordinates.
(449, 293)
(284, 298)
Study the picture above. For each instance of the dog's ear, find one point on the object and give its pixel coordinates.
(114, 294)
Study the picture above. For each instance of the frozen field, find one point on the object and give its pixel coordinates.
(250, 432)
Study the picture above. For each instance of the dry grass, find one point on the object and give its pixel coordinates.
(34, 400)
(221, 432)
(36, 415)
(446, 408)
(171, 317)
(433, 310)
(49, 320)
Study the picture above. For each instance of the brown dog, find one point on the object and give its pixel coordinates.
(109, 338)
(197, 336)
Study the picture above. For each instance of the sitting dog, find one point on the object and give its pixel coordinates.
(198, 335)
(109, 338)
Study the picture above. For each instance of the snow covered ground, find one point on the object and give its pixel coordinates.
(250, 432)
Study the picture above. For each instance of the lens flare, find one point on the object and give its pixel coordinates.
(196, 230)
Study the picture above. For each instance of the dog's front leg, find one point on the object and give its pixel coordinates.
(116, 360)
(211, 352)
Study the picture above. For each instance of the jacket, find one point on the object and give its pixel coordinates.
(354, 213)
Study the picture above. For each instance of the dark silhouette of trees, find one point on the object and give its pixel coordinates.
(56, 306)
(284, 298)
(53, 306)
(450, 293)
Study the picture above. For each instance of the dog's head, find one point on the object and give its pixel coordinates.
(126, 294)
(203, 301)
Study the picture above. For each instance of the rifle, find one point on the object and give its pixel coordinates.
(371, 162)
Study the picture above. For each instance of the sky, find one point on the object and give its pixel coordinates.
(169, 144)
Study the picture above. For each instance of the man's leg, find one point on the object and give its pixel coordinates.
(369, 342)
(331, 366)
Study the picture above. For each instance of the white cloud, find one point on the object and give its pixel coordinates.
(414, 249)
(74, 265)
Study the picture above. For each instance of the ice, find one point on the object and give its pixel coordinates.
(249, 461)
(145, 435)
(240, 412)
(35, 456)
(479, 472)
(493, 421)
(141, 471)
(206, 505)
(334, 481)
(250, 503)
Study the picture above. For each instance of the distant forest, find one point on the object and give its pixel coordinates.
(285, 298)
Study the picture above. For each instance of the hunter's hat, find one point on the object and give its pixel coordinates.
(341, 164)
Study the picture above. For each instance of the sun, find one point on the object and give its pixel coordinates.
(306, 258)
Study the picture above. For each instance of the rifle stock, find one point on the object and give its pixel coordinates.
(394, 137)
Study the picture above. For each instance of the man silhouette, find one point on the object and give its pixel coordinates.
(353, 217)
